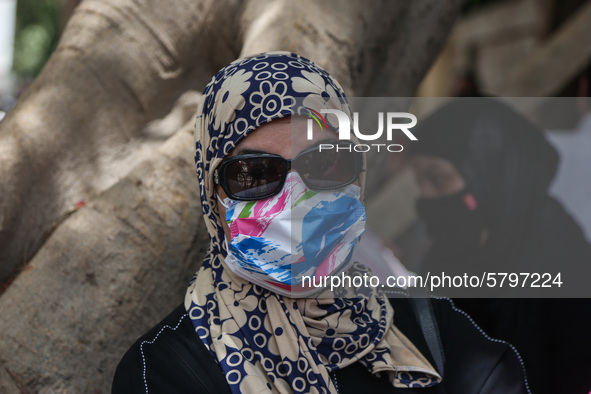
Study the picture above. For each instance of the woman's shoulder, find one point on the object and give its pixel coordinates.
(470, 359)
(169, 358)
(172, 358)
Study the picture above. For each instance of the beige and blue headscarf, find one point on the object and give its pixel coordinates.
(265, 342)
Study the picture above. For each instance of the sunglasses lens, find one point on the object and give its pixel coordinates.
(254, 178)
(329, 169)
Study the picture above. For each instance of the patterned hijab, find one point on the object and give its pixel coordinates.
(265, 342)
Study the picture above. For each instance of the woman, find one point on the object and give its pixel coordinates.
(249, 323)
(484, 172)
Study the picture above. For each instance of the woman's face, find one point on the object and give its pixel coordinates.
(436, 177)
(285, 137)
(439, 178)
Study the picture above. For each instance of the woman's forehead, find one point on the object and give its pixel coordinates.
(286, 137)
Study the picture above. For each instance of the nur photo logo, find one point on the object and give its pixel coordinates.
(388, 122)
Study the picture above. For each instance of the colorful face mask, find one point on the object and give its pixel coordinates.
(299, 232)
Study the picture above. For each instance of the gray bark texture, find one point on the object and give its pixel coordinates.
(556, 62)
(109, 122)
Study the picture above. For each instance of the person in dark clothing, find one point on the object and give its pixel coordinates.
(171, 358)
(484, 172)
(278, 208)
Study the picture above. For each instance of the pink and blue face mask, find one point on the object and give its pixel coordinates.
(297, 233)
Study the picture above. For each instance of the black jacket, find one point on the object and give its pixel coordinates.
(171, 358)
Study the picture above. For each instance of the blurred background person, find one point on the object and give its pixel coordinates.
(484, 172)
(572, 184)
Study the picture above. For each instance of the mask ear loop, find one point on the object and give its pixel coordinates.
(227, 206)
(222, 201)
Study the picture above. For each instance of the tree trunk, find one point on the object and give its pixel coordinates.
(545, 72)
(96, 279)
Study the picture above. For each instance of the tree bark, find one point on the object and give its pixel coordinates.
(119, 65)
(547, 69)
(98, 278)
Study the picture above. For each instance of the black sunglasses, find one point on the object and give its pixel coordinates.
(254, 177)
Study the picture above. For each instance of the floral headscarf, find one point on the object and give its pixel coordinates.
(264, 341)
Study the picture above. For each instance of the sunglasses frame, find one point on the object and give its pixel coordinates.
(219, 174)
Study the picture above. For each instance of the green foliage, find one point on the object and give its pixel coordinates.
(36, 35)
